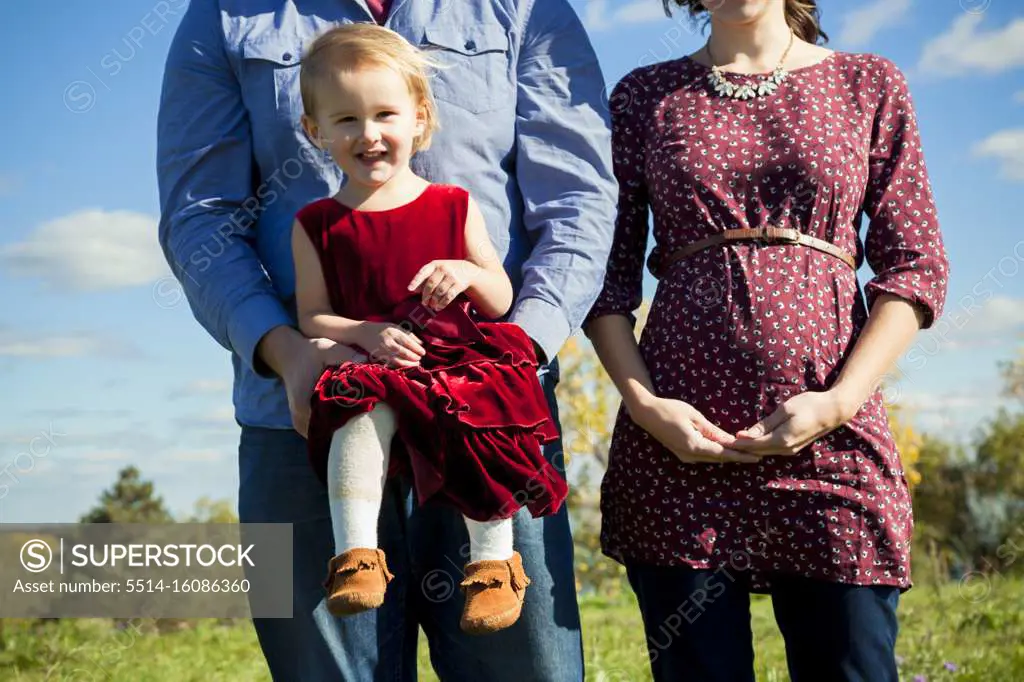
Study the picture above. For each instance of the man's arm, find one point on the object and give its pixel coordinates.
(564, 172)
(205, 172)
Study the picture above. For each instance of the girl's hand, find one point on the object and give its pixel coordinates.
(440, 281)
(389, 344)
(687, 433)
(796, 423)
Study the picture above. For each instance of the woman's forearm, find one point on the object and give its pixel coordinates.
(491, 293)
(616, 347)
(890, 329)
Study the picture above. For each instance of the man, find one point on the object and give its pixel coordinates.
(524, 129)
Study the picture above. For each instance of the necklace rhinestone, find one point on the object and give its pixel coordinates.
(766, 86)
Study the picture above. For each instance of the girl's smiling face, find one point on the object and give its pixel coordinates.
(368, 119)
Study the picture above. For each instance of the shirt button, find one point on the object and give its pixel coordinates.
(471, 44)
(287, 56)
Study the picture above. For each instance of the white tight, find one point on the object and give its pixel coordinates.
(357, 466)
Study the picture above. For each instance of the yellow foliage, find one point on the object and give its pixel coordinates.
(908, 442)
(587, 404)
(587, 398)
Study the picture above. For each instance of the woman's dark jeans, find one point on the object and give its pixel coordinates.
(697, 624)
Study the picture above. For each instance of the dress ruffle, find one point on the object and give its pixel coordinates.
(472, 417)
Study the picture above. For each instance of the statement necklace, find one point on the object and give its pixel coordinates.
(766, 86)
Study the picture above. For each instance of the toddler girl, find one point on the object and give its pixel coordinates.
(404, 270)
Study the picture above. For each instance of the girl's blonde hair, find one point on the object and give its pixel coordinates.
(353, 45)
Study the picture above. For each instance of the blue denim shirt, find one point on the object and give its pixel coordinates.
(524, 129)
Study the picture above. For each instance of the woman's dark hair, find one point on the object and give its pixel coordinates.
(803, 16)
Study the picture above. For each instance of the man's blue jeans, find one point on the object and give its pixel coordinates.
(426, 549)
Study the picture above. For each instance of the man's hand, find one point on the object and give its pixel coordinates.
(796, 423)
(299, 362)
(440, 281)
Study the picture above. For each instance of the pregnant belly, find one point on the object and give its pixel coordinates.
(783, 317)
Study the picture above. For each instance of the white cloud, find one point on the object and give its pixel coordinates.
(993, 323)
(197, 456)
(75, 412)
(859, 26)
(105, 456)
(89, 250)
(1007, 146)
(1000, 315)
(955, 419)
(598, 17)
(955, 410)
(107, 469)
(16, 469)
(133, 437)
(201, 387)
(220, 420)
(35, 346)
(967, 49)
(931, 403)
(214, 429)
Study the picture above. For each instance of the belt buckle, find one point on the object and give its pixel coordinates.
(780, 235)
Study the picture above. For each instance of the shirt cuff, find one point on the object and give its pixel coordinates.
(250, 322)
(902, 286)
(543, 322)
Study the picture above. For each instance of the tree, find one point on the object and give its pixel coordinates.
(212, 511)
(587, 399)
(1013, 376)
(587, 404)
(942, 520)
(1000, 459)
(129, 500)
(908, 441)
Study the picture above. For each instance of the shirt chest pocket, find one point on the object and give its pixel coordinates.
(269, 78)
(475, 72)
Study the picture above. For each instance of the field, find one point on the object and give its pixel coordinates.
(947, 633)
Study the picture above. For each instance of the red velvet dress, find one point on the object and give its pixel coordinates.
(472, 417)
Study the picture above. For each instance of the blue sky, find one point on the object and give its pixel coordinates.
(103, 364)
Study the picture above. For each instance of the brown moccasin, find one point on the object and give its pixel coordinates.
(356, 581)
(494, 594)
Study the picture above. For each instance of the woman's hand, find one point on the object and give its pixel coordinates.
(796, 423)
(440, 281)
(388, 344)
(687, 433)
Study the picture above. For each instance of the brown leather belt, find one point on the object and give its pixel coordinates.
(764, 235)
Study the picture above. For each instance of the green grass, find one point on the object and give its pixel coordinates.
(984, 637)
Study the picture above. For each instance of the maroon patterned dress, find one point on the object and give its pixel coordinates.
(737, 330)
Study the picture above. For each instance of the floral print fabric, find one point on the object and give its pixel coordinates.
(737, 330)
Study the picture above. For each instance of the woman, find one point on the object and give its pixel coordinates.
(752, 452)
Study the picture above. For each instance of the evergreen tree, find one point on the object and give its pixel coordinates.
(129, 500)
